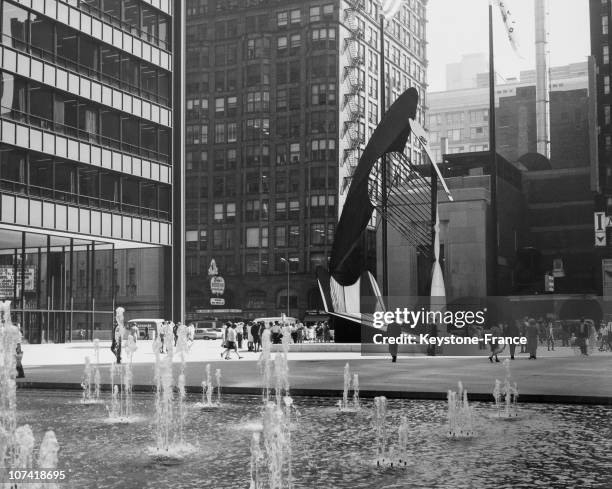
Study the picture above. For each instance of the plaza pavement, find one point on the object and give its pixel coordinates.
(559, 376)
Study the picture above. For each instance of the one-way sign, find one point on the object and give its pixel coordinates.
(600, 229)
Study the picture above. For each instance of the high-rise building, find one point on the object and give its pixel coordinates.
(601, 42)
(281, 99)
(88, 156)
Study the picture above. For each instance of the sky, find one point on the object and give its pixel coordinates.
(457, 27)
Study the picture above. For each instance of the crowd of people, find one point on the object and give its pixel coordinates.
(237, 334)
(582, 335)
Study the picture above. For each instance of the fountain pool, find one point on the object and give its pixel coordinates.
(549, 446)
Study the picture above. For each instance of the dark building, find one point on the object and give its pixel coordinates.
(516, 126)
(601, 40)
(281, 99)
(88, 157)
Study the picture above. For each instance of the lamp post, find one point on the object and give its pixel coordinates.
(288, 270)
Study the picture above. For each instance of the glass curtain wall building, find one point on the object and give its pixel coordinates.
(86, 162)
(281, 97)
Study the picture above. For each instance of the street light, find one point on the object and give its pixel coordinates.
(285, 260)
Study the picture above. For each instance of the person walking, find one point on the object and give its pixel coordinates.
(532, 338)
(513, 330)
(583, 336)
(230, 344)
(255, 327)
(18, 358)
(393, 330)
(496, 331)
(523, 329)
(550, 336)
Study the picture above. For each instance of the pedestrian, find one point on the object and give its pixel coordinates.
(146, 333)
(394, 330)
(238, 330)
(524, 324)
(18, 358)
(550, 336)
(532, 338)
(582, 336)
(116, 341)
(276, 333)
(230, 344)
(496, 332)
(175, 332)
(249, 335)
(513, 330)
(255, 327)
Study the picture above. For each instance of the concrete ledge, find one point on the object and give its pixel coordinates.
(391, 394)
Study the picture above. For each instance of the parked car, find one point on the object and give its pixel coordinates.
(145, 324)
(202, 333)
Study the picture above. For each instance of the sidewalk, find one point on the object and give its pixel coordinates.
(559, 376)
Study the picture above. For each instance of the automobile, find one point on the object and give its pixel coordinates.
(276, 319)
(145, 325)
(202, 333)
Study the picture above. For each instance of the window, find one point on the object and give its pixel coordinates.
(328, 10)
(296, 42)
(281, 209)
(232, 134)
(323, 94)
(230, 211)
(219, 106)
(280, 236)
(281, 19)
(294, 236)
(203, 240)
(218, 238)
(281, 154)
(296, 16)
(294, 209)
(315, 14)
(256, 237)
(607, 115)
(606, 85)
(604, 25)
(294, 152)
(251, 210)
(605, 54)
(281, 45)
(220, 132)
(454, 134)
(197, 134)
(218, 213)
(479, 132)
(281, 99)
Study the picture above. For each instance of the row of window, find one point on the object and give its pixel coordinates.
(256, 264)
(294, 17)
(259, 237)
(65, 46)
(259, 101)
(46, 177)
(27, 101)
(133, 16)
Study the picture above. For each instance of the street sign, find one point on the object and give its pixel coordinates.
(217, 285)
(215, 301)
(600, 230)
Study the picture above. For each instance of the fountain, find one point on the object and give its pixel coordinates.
(265, 363)
(86, 382)
(169, 420)
(506, 409)
(256, 459)
(16, 443)
(218, 379)
(380, 431)
(120, 409)
(207, 390)
(460, 415)
(356, 403)
(96, 374)
(344, 404)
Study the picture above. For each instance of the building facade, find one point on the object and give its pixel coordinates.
(281, 99)
(462, 116)
(87, 162)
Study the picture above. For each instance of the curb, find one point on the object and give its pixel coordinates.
(391, 394)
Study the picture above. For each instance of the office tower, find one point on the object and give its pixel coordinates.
(87, 162)
(281, 99)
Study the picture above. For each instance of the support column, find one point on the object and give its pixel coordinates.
(22, 292)
(71, 287)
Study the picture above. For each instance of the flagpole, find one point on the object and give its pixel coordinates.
(493, 152)
(383, 164)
